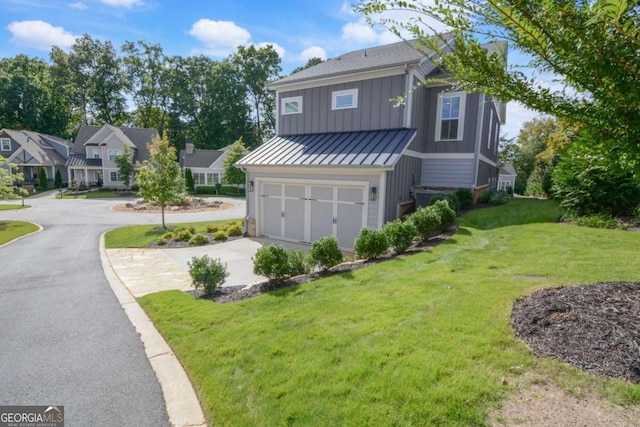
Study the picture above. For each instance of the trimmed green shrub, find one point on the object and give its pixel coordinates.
(182, 234)
(207, 273)
(162, 241)
(452, 199)
(493, 197)
(168, 235)
(234, 230)
(371, 243)
(447, 215)
(299, 262)
(207, 190)
(326, 252)
(220, 236)
(465, 196)
(400, 235)
(272, 261)
(43, 184)
(212, 228)
(188, 180)
(199, 239)
(426, 220)
(57, 181)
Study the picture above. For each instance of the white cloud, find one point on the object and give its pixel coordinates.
(123, 3)
(360, 32)
(313, 52)
(275, 46)
(78, 5)
(40, 35)
(517, 114)
(219, 38)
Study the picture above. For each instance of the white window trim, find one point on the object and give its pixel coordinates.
(490, 133)
(337, 93)
(284, 101)
(98, 152)
(463, 104)
(113, 154)
(118, 177)
(2, 141)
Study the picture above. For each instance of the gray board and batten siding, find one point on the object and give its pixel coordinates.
(400, 181)
(375, 110)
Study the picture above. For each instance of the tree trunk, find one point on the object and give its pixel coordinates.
(162, 210)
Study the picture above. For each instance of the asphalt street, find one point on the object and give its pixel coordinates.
(64, 338)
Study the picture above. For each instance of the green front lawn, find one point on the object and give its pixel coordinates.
(10, 230)
(12, 207)
(96, 195)
(139, 236)
(420, 340)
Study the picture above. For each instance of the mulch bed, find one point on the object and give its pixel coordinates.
(595, 327)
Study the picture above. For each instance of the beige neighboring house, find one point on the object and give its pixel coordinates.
(207, 166)
(92, 158)
(33, 152)
(507, 177)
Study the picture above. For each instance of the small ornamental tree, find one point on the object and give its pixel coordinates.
(10, 179)
(124, 161)
(42, 178)
(160, 179)
(232, 174)
(58, 179)
(188, 180)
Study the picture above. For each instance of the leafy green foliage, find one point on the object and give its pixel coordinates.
(465, 196)
(124, 161)
(220, 236)
(300, 263)
(188, 181)
(199, 239)
(160, 178)
(592, 179)
(452, 201)
(10, 179)
(326, 252)
(182, 234)
(371, 243)
(57, 181)
(232, 174)
(162, 241)
(212, 228)
(207, 273)
(426, 220)
(400, 235)
(600, 220)
(272, 261)
(447, 215)
(234, 230)
(43, 183)
(494, 197)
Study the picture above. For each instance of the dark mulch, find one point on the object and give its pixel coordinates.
(595, 327)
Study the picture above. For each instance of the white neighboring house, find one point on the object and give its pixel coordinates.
(207, 166)
(507, 177)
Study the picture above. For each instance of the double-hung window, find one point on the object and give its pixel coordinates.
(292, 105)
(450, 116)
(344, 99)
(5, 144)
(115, 176)
(113, 154)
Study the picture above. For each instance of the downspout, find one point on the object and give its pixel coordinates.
(476, 156)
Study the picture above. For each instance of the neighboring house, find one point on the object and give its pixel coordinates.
(344, 156)
(207, 166)
(507, 177)
(92, 158)
(33, 152)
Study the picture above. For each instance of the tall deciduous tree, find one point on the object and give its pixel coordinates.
(124, 161)
(257, 68)
(160, 179)
(233, 174)
(590, 47)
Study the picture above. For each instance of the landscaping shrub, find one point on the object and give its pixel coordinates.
(162, 241)
(400, 235)
(58, 179)
(220, 236)
(596, 221)
(426, 220)
(207, 190)
(300, 263)
(465, 196)
(168, 235)
(212, 228)
(326, 252)
(207, 273)
(188, 180)
(199, 239)
(43, 184)
(371, 243)
(452, 199)
(447, 215)
(272, 261)
(234, 230)
(182, 234)
(494, 197)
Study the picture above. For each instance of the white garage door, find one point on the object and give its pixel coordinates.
(306, 212)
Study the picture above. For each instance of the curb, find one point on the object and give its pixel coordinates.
(180, 399)
(40, 228)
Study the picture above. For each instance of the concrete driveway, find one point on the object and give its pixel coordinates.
(145, 271)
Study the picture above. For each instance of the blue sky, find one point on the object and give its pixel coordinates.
(298, 30)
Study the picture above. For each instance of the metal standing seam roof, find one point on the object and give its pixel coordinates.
(76, 160)
(380, 148)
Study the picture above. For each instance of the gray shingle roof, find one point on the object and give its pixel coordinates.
(46, 149)
(199, 158)
(380, 148)
(140, 137)
(507, 169)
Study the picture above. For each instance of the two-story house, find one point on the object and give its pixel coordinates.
(92, 158)
(344, 156)
(33, 152)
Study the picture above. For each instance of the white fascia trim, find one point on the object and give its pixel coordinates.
(318, 170)
(488, 160)
(347, 78)
(438, 156)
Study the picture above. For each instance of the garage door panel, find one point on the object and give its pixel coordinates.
(295, 191)
(321, 219)
(349, 222)
(348, 194)
(272, 216)
(294, 219)
(322, 193)
(272, 190)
